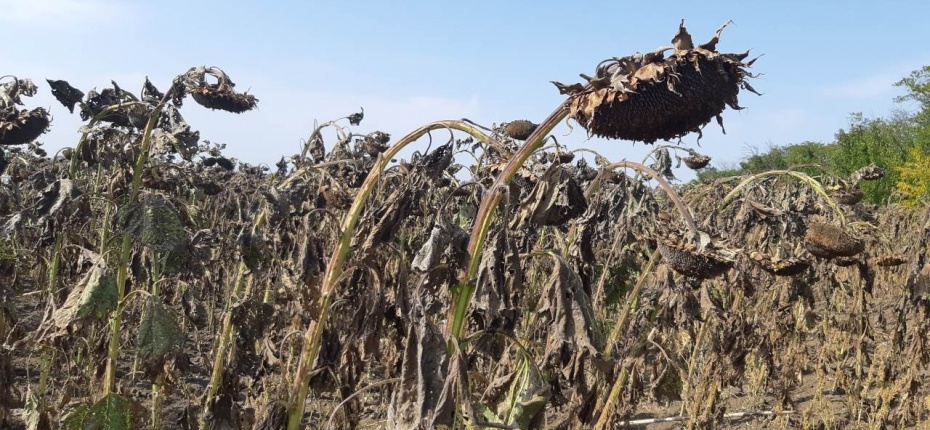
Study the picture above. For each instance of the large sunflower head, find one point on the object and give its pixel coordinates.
(664, 94)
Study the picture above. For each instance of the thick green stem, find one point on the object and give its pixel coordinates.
(126, 251)
(466, 288)
(53, 267)
(313, 336)
(105, 223)
(109, 382)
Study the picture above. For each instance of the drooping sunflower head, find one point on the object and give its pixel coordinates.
(655, 96)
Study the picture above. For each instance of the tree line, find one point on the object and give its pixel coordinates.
(898, 143)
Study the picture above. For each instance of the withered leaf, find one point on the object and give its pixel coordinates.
(67, 95)
(499, 277)
(279, 200)
(682, 40)
(442, 235)
(417, 402)
(95, 296)
(556, 198)
(150, 92)
(356, 118)
(55, 196)
(566, 308)
(35, 416)
(13, 224)
(309, 261)
(764, 211)
(663, 164)
(174, 135)
(568, 89)
(711, 45)
(389, 217)
(437, 161)
(253, 249)
(315, 147)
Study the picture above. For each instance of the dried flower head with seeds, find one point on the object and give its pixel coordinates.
(648, 97)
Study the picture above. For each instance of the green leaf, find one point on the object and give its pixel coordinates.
(113, 412)
(159, 332)
(93, 297)
(154, 224)
(528, 394)
(99, 296)
(74, 418)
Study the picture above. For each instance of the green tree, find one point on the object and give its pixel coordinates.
(914, 183)
(918, 88)
(801, 156)
(884, 142)
(899, 143)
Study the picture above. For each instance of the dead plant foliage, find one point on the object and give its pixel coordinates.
(781, 302)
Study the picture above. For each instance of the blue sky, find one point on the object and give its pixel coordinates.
(409, 63)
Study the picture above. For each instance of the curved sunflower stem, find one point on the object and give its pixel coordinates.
(672, 195)
(313, 335)
(595, 185)
(465, 289)
(803, 177)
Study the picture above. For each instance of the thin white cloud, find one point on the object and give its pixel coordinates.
(878, 85)
(58, 12)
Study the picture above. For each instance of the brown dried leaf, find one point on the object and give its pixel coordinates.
(94, 296)
(421, 397)
(499, 277)
(712, 44)
(445, 239)
(566, 308)
(568, 89)
(56, 196)
(556, 198)
(682, 40)
(388, 217)
(67, 95)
